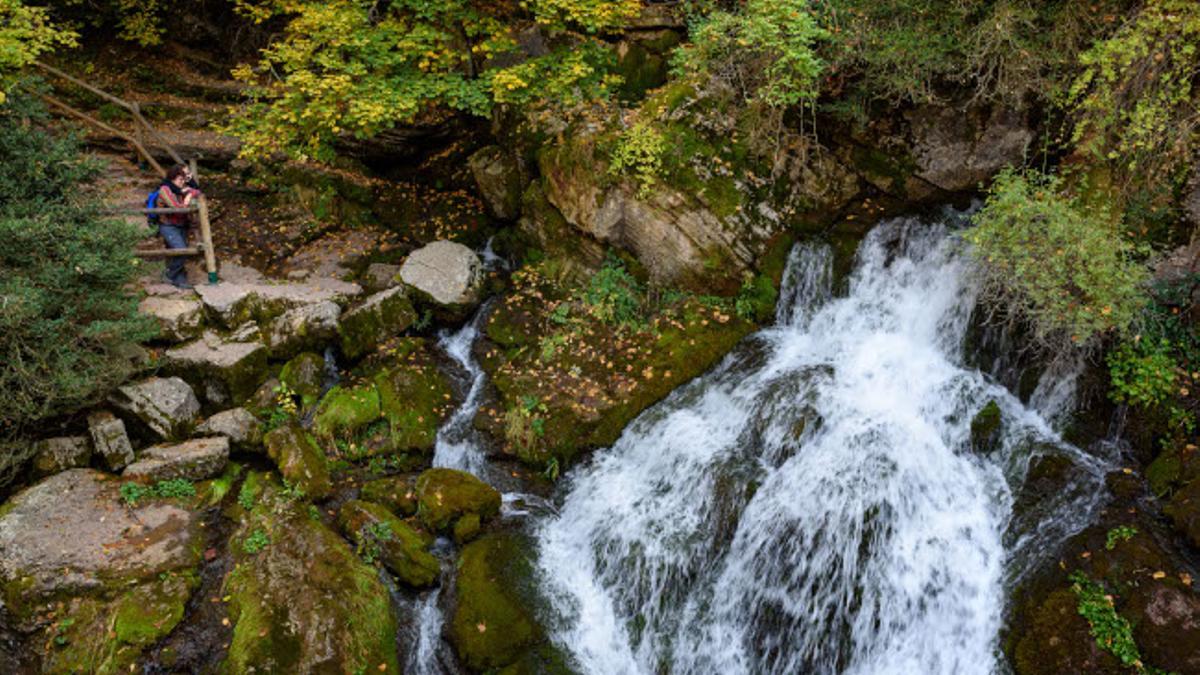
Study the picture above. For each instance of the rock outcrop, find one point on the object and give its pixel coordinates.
(446, 273)
(225, 370)
(179, 318)
(300, 460)
(166, 406)
(302, 328)
(110, 440)
(196, 459)
(383, 315)
(243, 429)
(401, 548)
(52, 455)
(498, 176)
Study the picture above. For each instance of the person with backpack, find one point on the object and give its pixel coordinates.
(178, 190)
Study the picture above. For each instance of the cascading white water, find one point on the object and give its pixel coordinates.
(812, 505)
(458, 445)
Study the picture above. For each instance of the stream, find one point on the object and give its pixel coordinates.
(813, 504)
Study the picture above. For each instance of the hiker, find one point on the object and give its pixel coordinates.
(178, 190)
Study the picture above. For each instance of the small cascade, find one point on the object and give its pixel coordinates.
(813, 505)
(459, 445)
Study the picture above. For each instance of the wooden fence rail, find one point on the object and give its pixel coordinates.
(142, 132)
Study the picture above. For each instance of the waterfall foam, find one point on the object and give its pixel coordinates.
(458, 445)
(813, 505)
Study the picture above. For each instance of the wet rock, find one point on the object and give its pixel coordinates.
(345, 410)
(305, 327)
(243, 430)
(179, 318)
(1168, 627)
(166, 406)
(414, 399)
(401, 548)
(446, 273)
(466, 528)
(1060, 641)
(1184, 511)
(985, 428)
(958, 149)
(71, 534)
(1174, 467)
(445, 495)
(398, 493)
(233, 303)
(228, 371)
(300, 460)
(301, 600)
(110, 440)
(380, 277)
(305, 376)
(196, 459)
(52, 455)
(493, 623)
(499, 179)
(383, 315)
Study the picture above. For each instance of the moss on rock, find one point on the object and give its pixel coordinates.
(303, 601)
(380, 535)
(346, 409)
(300, 460)
(446, 495)
(985, 428)
(494, 623)
(398, 493)
(414, 398)
(304, 375)
(382, 316)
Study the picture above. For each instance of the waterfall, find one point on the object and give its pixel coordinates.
(458, 445)
(813, 504)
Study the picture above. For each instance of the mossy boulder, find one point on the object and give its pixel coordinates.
(1060, 641)
(414, 398)
(99, 635)
(381, 316)
(985, 428)
(380, 535)
(467, 528)
(304, 375)
(346, 409)
(494, 623)
(1184, 511)
(1173, 468)
(300, 599)
(300, 460)
(446, 495)
(397, 493)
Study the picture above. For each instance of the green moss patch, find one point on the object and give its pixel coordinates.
(300, 460)
(445, 495)
(379, 536)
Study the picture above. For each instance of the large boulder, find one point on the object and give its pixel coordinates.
(226, 371)
(196, 459)
(232, 304)
(414, 398)
(1184, 511)
(243, 429)
(398, 493)
(498, 176)
(52, 455)
(380, 277)
(402, 548)
(109, 439)
(166, 406)
(958, 148)
(305, 327)
(383, 315)
(446, 495)
(179, 317)
(300, 600)
(71, 534)
(1169, 627)
(446, 273)
(494, 623)
(304, 375)
(300, 460)
(345, 409)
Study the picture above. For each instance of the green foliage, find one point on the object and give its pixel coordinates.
(1063, 269)
(613, 295)
(25, 33)
(1134, 101)
(639, 153)
(1112, 631)
(524, 425)
(174, 488)
(257, 541)
(285, 409)
(766, 51)
(354, 68)
(67, 316)
(1142, 372)
(370, 537)
(1119, 534)
(247, 494)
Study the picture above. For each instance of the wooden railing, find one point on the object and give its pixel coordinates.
(143, 133)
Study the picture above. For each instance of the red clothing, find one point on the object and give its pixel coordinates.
(167, 199)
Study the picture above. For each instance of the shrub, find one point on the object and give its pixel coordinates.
(1052, 264)
(639, 151)
(25, 33)
(67, 315)
(613, 295)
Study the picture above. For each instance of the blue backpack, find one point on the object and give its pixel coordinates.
(152, 202)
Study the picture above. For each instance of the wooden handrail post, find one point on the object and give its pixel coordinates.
(210, 259)
(103, 127)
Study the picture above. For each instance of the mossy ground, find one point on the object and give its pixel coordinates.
(568, 380)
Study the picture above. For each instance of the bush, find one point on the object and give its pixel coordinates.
(639, 151)
(67, 315)
(1051, 263)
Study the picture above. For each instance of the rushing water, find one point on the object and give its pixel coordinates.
(813, 504)
(458, 444)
